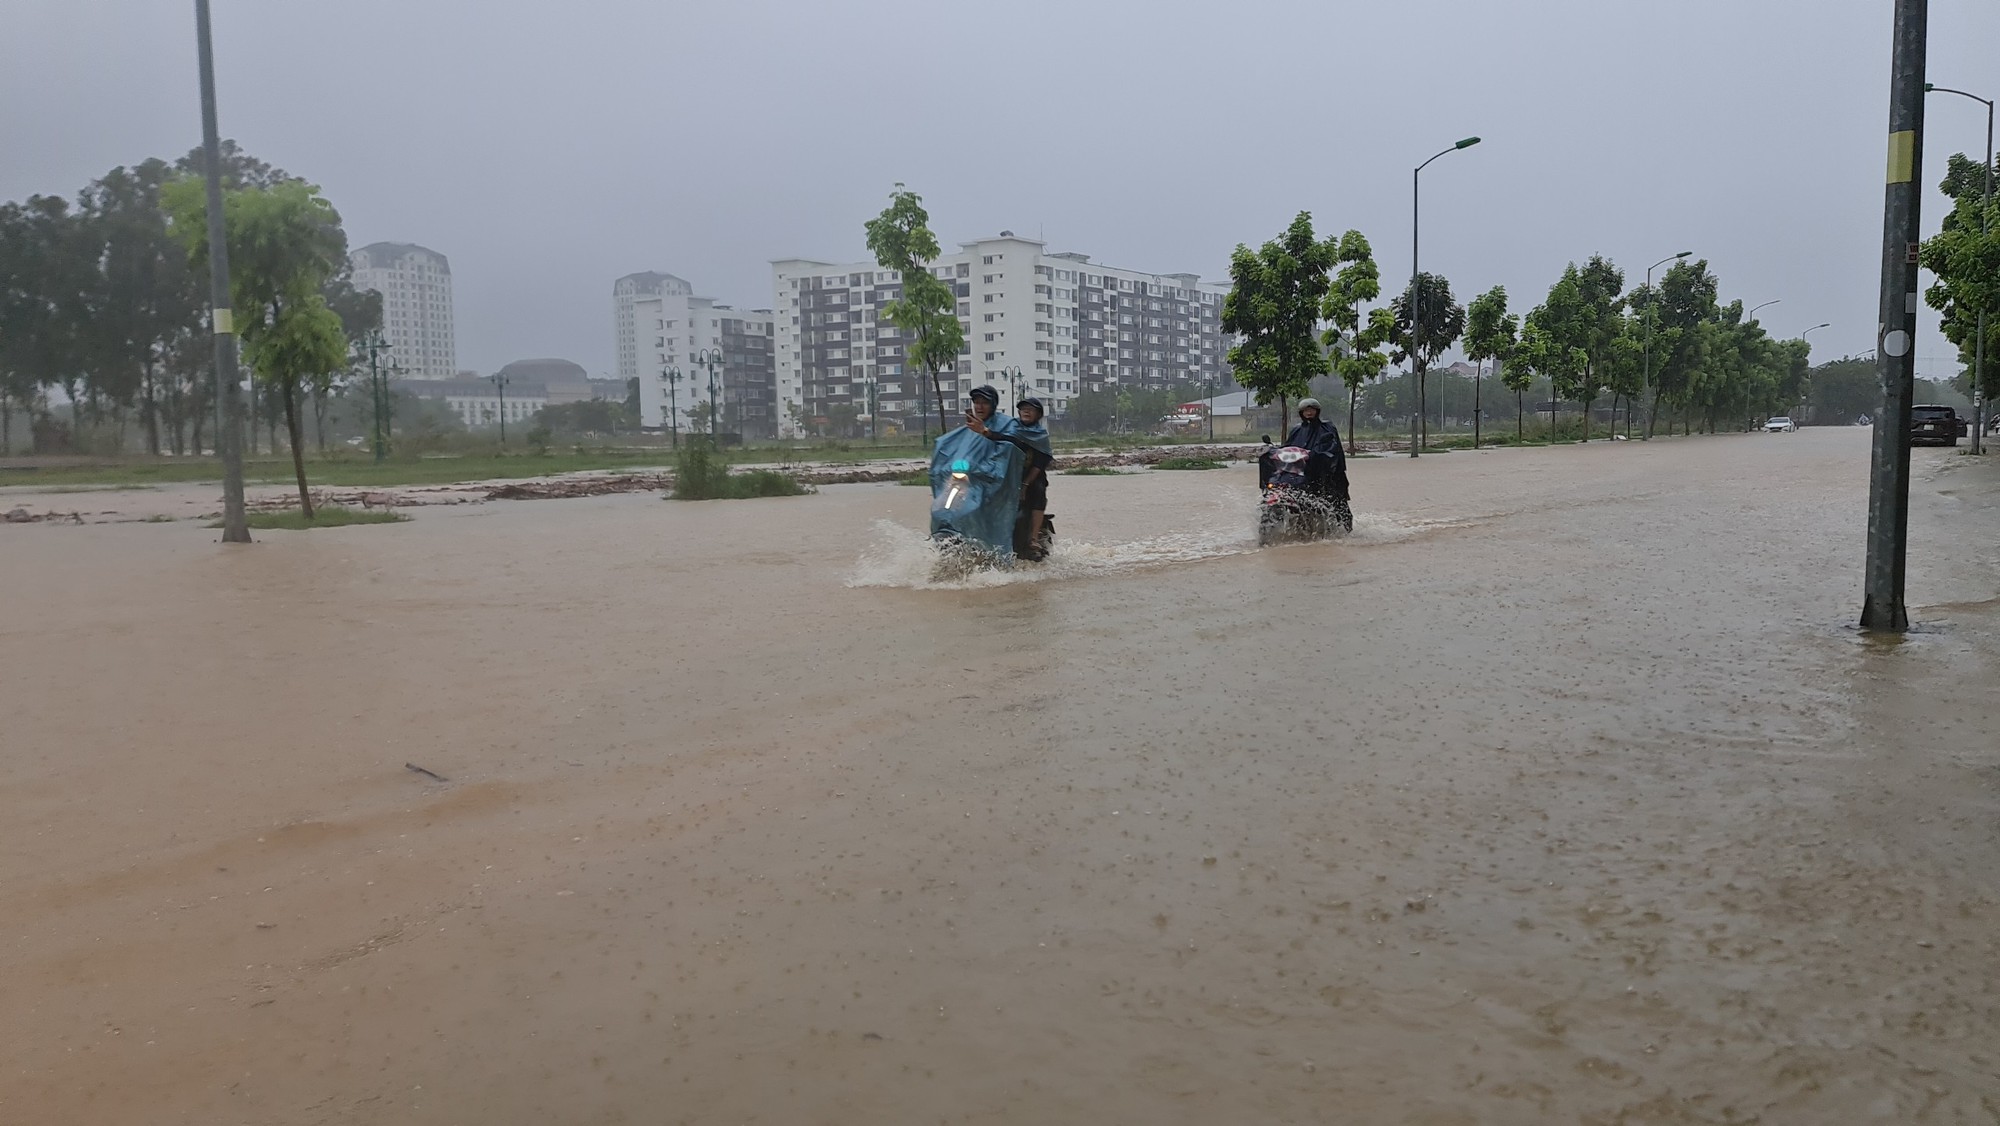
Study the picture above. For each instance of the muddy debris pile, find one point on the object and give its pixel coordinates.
(23, 516)
(563, 488)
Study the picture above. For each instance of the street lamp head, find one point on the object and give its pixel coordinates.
(1467, 143)
(1684, 254)
(1929, 86)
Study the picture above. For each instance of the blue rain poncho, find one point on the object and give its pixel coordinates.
(981, 505)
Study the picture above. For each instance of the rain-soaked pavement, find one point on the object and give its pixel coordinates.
(1563, 792)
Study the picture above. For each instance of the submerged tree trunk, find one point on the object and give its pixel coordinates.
(296, 431)
(6, 424)
(1477, 373)
(319, 418)
(1520, 416)
(1586, 419)
(1352, 394)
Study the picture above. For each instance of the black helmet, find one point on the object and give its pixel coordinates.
(1030, 401)
(985, 391)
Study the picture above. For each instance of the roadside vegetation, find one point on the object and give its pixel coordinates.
(700, 475)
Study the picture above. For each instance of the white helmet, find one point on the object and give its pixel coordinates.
(1313, 403)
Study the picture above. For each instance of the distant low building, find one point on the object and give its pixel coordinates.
(1231, 412)
(479, 402)
(564, 381)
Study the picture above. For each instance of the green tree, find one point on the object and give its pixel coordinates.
(1357, 342)
(590, 417)
(1516, 375)
(1965, 257)
(146, 294)
(285, 244)
(1439, 320)
(1621, 367)
(45, 287)
(1576, 326)
(926, 312)
(1091, 412)
(1490, 332)
(1274, 305)
(1685, 301)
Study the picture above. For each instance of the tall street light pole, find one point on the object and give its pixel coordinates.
(1807, 389)
(229, 433)
(500, 381)
(1646, 347)
(1750, 421)
(1985, 210)
(671, 376)
(375, 347)
(710, 358)
(1416, 303)
(1895, 353)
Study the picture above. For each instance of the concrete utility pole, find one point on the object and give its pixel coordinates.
(229, 433)
(1895, 353)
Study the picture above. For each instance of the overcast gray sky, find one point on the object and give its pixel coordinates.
(548, 148)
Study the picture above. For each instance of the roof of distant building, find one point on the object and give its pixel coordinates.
(381, 255)
(547, 370)
(653, 281)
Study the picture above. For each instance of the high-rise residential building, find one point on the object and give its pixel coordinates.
(1048, 325)
(674, 333)
(415, 284)
(625, 292)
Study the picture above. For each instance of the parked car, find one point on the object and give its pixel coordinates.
(1931, 424)
(1780, 425)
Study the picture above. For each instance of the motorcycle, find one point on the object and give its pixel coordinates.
(1295, 507)
(976, 516)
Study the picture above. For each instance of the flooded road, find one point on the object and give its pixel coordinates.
(1562, 792)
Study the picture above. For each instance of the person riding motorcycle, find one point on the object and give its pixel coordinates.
(1327, 472)
(1033, 440)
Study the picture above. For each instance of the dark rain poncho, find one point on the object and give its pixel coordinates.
(1320, 436)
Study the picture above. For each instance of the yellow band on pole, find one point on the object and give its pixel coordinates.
(1902, 156)
(225, 322)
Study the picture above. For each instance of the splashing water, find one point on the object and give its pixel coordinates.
(904, 557)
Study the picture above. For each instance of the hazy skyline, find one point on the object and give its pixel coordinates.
(547, 150)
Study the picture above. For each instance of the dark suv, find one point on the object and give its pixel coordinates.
(1935, 425)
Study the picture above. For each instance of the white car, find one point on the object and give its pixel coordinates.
(1780, 425)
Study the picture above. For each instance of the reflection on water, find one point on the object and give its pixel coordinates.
(902, 556)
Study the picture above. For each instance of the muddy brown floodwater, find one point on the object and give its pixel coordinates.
(1562, 792)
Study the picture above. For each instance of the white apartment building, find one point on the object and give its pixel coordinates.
(1048, 325)
(676, 333)
(417, 322)
(625, 292)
